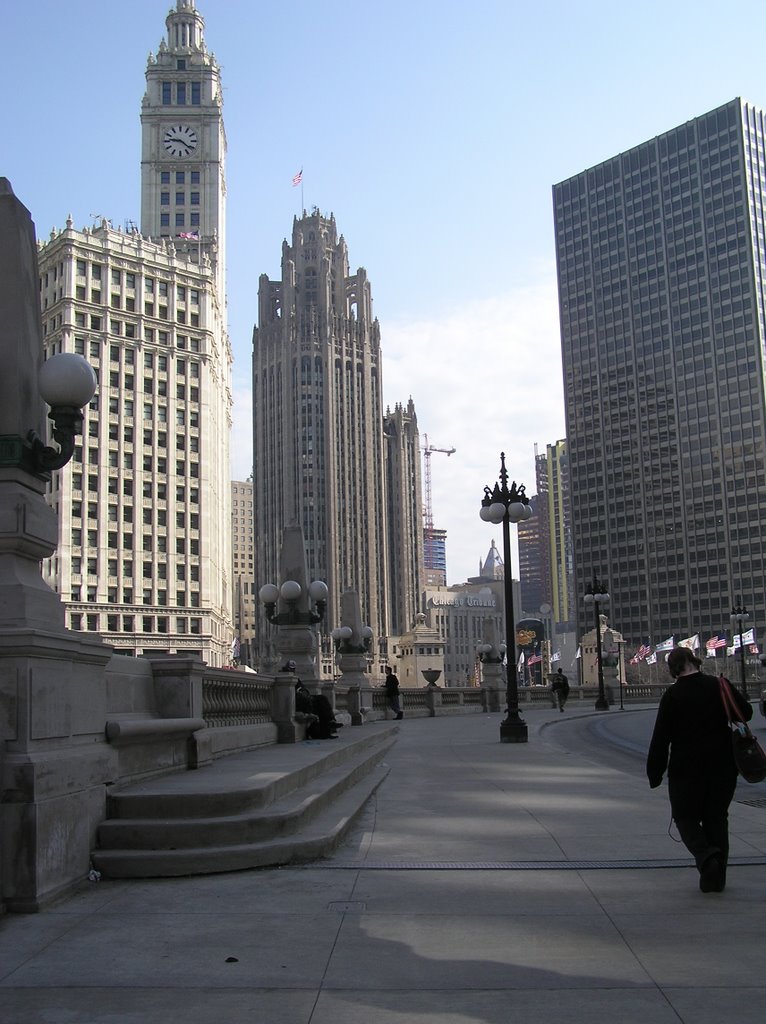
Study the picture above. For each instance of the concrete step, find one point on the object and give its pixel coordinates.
(241, 782)
(287, 812)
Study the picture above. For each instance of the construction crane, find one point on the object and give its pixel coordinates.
(428, 514)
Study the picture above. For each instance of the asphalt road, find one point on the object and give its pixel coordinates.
(620, 739)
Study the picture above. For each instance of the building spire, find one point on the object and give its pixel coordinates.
(186, 28)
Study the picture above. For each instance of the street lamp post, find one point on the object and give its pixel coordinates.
(595, 595)
(505, 505)
(740, 615)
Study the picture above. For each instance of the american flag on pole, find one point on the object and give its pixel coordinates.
(534, 659)
(298, 178)
(640, 654)
(719, 640)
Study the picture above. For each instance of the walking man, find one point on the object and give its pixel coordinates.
(392, 693)
(560, 688)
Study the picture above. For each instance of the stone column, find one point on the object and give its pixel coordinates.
(493, 685)
(54, 761)
(283, 707)
(353, 657)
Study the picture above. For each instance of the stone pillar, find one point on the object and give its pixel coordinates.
(493, 685)
(353, 657)
(296, 635)
(433, 700)
(283, 707)
(54, 761)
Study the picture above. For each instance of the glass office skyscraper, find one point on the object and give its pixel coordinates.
(661, 267)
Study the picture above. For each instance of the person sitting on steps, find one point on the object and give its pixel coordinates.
(324, 726)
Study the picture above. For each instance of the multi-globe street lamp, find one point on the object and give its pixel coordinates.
(739, 616)
(597, 594)
(291, 593)
(505, 505)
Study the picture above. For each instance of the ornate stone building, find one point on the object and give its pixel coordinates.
(144, 554)
(245, 605)
(319, 448)
(404, 502)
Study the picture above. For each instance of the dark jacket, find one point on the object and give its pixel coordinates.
(692, 738)
(560, 682)
(392, 685)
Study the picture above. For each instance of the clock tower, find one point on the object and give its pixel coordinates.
(183, 187)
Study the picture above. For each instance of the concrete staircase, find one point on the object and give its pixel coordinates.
(277, 805)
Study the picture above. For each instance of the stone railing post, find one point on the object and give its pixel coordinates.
(352, 667)
(177, 685)
(283, 707)
(433, 700)
(493, 686)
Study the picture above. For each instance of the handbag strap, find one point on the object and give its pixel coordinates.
(732, 712)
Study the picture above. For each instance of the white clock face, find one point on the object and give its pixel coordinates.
(180, 140)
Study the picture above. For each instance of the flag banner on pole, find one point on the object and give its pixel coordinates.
(640, 654)
(748, 637)
(754, 649)
(520, 664)
(710, 652)
(578, 655)
(652, 659)
(556, 656)
(719, 640)
(692, 642)
(666, 645)
(730, 652)
(235, 648)
(298, 178)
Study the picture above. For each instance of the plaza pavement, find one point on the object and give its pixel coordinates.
(486, 883)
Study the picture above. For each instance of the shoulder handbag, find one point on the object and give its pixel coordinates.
(749, 755)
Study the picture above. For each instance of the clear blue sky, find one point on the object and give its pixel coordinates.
(432, 129)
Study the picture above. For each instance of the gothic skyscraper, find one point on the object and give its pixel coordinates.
(319, 451)
(144, 555)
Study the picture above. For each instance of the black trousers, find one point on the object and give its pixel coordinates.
(700, 806)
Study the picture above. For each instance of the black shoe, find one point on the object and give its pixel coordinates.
(337, 725)
(400, 716)
(711, 875)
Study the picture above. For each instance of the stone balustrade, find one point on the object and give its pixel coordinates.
(231, 698)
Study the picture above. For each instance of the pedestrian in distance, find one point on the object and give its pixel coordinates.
(560, 689)
(392, 693)
(692, 742)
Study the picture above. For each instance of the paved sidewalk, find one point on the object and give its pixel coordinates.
(487, 883)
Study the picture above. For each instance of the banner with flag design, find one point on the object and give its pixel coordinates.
(692, 642)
